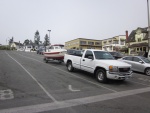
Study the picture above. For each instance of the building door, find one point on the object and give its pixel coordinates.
(144, 49)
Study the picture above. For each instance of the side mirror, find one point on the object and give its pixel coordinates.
(90, 57)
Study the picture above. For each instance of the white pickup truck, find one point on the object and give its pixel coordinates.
(100, 63)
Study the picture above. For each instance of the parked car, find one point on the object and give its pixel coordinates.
(41, 51)
(139, 63)
(116, 55)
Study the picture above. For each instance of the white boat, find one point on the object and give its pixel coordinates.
(55, 52)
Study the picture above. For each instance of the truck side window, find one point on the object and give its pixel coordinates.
(88, 53)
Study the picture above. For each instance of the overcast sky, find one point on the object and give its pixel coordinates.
(70, 19)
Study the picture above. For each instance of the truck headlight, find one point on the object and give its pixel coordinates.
(113, 69)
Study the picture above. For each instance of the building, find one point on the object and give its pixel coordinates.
(16, 45)
(32, 46)
(137, 41)
(114, 44)
(83, 43)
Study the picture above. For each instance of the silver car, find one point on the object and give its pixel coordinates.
(139, 63)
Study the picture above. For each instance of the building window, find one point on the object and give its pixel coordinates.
(104, 42)
(115, 42)
(110, 42)
(91, 43)
(83, 42)
(97, 43)
(110, 48)
(137, 49)
(122, 42)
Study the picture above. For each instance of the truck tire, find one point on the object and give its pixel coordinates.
(101, 76)
(70, 67)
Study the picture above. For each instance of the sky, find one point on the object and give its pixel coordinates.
(70, 19)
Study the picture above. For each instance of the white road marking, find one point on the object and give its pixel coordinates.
(83, 78)
(71, 74)
(144, 79)
(48, 94)
(6, 94)
(70, 88)
(139, 83)
(73, 102)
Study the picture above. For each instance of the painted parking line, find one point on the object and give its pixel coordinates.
(71, 89)
(72, 74)
(144, 79)
(74, 102)
(40, 85)
(81, 77)
(6, 94)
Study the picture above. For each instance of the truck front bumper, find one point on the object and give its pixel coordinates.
(118, 76)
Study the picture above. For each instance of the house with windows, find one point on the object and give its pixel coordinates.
(114, 44)
(137, 41)
(83, 43)
(16, 45)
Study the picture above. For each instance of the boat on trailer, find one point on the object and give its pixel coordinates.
(55, 52)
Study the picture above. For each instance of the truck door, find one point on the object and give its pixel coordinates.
(87, 62)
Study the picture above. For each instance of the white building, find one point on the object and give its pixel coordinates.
(114, 43)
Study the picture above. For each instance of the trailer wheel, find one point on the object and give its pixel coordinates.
(60, 62)
(45, 60)
(101, 76)
(70, 67)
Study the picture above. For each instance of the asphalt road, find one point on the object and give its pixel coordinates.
(28, 85)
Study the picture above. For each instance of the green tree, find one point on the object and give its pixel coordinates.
(46, 41)
(26, 42)
(11, 40)
(37, 38)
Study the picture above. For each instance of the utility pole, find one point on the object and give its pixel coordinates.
(148, 26)
(49, 36)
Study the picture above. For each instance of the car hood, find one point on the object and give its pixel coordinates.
(115, 63)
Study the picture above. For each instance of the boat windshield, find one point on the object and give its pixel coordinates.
(103, 55)
(56, 47)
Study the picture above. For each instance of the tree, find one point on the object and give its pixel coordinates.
(37, 38)
(26, 42)
(30, 42)
(46, 42)
(11, 40)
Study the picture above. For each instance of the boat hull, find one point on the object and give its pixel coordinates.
(54, 55)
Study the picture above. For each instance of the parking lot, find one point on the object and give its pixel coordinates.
(28, 84)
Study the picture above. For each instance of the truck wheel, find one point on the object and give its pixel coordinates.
(70, 67)
(101, 76)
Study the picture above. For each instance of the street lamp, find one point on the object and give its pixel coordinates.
(49, 35)
(148, 26)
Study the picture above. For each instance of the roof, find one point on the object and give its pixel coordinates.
(138, 45)
(58, 45)
(95, 50)
(83, 39)
(19, 44)
(131, 37)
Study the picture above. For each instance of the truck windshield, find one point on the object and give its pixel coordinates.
(103, 55)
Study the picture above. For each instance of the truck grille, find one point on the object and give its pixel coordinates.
(124, 69)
